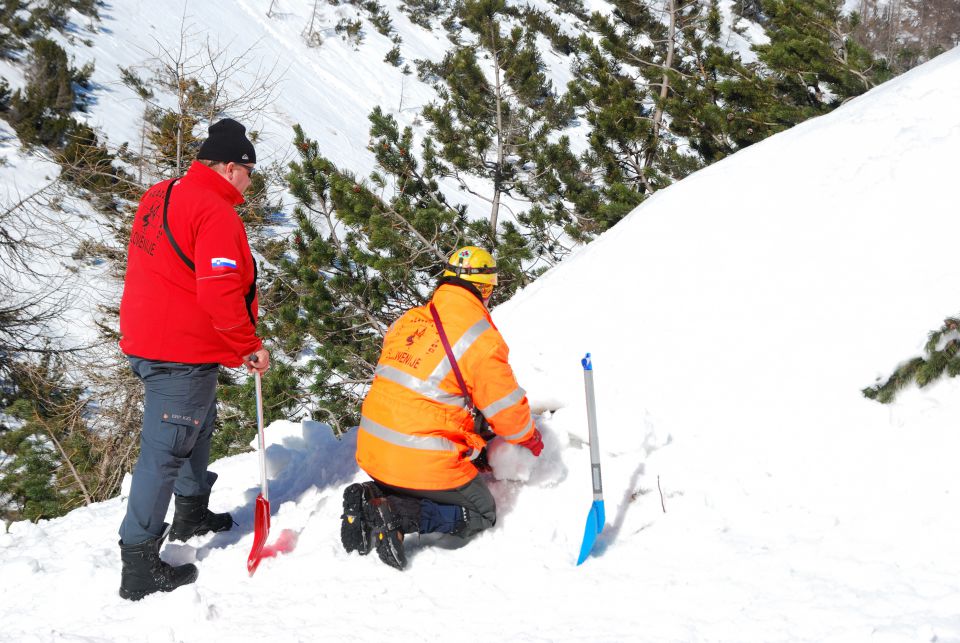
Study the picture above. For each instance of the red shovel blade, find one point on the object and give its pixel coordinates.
(261, 528)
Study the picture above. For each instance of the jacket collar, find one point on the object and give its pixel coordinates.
(453, 291)
(211, 180)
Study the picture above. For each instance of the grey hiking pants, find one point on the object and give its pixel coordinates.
(474, 496)
(179, 413)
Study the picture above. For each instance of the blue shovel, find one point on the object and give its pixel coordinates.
(596, 517)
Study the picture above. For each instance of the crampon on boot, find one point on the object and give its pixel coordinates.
(144, 573)
(355, 529)
(192, 518)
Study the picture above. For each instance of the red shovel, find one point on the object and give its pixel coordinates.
(261, 511)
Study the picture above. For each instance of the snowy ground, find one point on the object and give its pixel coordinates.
(733, 320)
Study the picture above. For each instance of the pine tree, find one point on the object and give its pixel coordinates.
(236, 421)
(680, 109)
(364, 252)
(617, 109)
(485, 128)
(628, 84)
(496, 118)
(49, 467)
(40, 113)
(709, 100)
(815, 62)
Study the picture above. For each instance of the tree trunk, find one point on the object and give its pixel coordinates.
(498, 171)
(657, 122)
(181, 100)
(69, 463)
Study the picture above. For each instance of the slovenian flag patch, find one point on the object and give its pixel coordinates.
(223, 263)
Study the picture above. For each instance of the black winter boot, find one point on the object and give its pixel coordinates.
(192, 518)
(386, 532)
(144, 573)
(354, 527)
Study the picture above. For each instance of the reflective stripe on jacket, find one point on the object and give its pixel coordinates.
(415, 431)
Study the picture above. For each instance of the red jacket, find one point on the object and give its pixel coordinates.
(171, 312)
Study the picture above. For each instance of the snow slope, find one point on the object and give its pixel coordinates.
(733, 319)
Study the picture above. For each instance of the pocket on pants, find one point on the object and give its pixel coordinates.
(183, 426)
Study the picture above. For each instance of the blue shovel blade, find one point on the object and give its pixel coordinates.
(595, 520)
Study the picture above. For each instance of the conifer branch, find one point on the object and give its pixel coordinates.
(920, 370)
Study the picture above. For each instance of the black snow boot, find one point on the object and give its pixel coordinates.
(391, 517)
(355, 530)
(192, 518)
(144, 573)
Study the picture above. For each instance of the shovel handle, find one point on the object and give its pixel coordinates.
(262, 449)
(592, 426)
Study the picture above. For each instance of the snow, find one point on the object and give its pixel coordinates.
(752, 493)
(328, 89)
(740, 34)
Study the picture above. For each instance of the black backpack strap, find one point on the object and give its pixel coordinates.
(251, 293)
(166, 229)
(248, 298)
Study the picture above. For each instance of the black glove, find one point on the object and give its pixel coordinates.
(481, 427)
(481, 463)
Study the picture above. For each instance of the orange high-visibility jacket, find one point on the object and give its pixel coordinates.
(415, 431)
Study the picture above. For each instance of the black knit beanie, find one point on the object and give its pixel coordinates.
(228, 142)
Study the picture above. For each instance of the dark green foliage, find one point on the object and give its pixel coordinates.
(172, 132)
(421, 12)
(696, 102)
(16, 28)
(620, 120)
(539, 21)
(751, 10)
(500, 129)
(47, 430)
(26, 474)
(130, 78)
(4, 95)
(237, 406)
(40, 113)
(941, 350)
(350, 30)
(360, 259)
(816, 63)
(647, 135)
(393, 57)
(379, 17)
(21, 21)
(573, 7)
(89, 165)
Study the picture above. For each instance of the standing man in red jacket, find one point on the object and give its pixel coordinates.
(189, 305)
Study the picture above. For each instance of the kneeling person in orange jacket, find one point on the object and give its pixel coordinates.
(417, 437)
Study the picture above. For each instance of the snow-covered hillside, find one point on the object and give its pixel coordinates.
(752, 493)
(330, 90)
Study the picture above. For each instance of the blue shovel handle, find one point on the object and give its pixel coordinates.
(597, 516)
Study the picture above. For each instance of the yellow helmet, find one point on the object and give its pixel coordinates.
(475, 265)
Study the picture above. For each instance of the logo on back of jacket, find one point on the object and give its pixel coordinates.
(405, 357)
(147, 226)
(417, 334)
